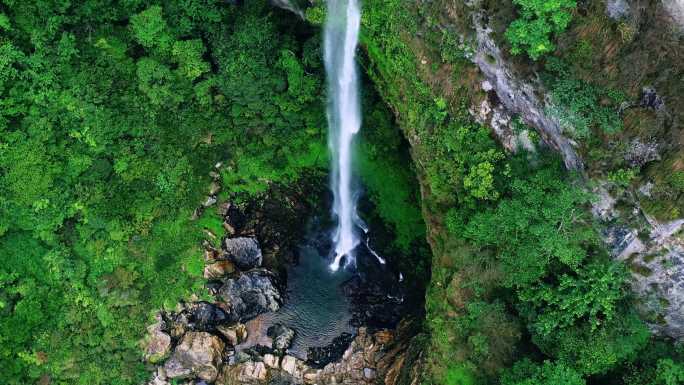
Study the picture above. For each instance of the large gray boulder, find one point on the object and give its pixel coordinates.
(199, 355)
(244, 252)
(249, 295)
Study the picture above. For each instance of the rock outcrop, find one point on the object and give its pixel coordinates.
(243, 252)
(158, 342)
(250, 294)
(282, 337)
(198, 355)
(654, 252)
(371, 358)
(517, 95)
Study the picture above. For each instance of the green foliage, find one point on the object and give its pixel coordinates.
(391, 187)
(465, 164)
(539, 21)
(593, 350)
(581, 107)
(459, 375)
(188, 54)
(539, 225)
(526, 372)
(111, 117)
(670, 372)
(623, 177)
(592, 295)
(150, 30)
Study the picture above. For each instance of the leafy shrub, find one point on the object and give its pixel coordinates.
(539, 21)
(580, 106)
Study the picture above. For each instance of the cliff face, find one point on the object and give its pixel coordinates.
(635, 48)
(443, 57)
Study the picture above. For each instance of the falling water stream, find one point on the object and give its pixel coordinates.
(323, 303)
(344, 120)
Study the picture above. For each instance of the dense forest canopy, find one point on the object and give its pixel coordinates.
(112, 114)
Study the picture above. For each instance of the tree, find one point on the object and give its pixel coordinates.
(539, 224)
(593, 295)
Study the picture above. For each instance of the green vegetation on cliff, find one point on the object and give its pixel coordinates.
(518, 267)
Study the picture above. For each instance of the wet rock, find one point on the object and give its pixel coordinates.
(210, 254)
(249, 372)
(290, 5)
(289, 365)
(234, 334)
(253, 371)
(318, 357)
(205, 316)
(519, 97)
(218, 270)
(158, 342)
(159, 378)
(198, 355)
(234, 219)
(178, 324)
(244, 252)
(250, 294)
(675, 8)
(622, 241)
(282, 337)
(373, 304)
(369, 373)
(603, 207)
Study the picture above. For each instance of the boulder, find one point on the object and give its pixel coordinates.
(158, 342)
(244, 252)
(271, 361)
(319, 356)
(218, 270)
(289, 365)
(282, 337)
(205, 316)
(249, 372)
(234, 334)
(198, 355)
(250, 294)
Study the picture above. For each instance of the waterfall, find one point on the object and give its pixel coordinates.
(344, 119)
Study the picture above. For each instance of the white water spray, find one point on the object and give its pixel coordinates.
(344, 119)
